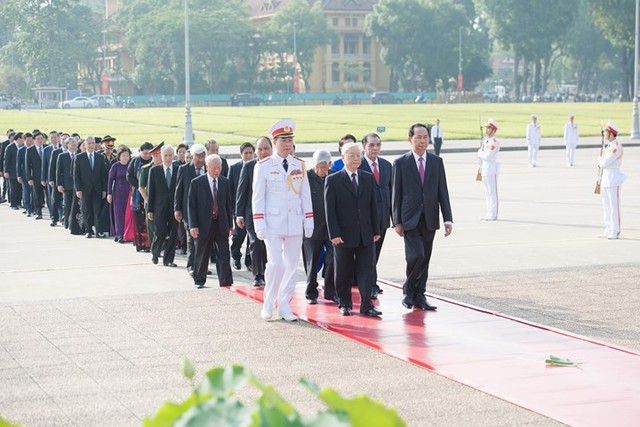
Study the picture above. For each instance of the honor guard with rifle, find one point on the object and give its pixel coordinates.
(609, 180)
(489, 168)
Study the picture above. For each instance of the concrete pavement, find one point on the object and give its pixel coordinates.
(91, 333)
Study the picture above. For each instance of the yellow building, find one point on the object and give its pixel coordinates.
(352, 63)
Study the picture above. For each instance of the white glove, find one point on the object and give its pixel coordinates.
(262, 234)
(308, 232)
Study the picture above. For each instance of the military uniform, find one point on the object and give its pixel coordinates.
(282, 211)
(490, 169)
(571, 136)
(612, 178)
(534, 137)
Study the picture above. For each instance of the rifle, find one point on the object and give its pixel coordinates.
(479, 173)
(599, 180)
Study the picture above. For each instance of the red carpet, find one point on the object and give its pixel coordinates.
(493, 353)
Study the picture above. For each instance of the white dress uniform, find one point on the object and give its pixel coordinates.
(282, 212)
(612, 178)
(534, 137)
(571, 137)
(488, 153)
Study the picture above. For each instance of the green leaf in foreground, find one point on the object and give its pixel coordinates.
(558, 361)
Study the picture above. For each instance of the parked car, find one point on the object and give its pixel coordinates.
(79, 102)
(104, 100)
(242, 99)
(5, 103)
(385, 98)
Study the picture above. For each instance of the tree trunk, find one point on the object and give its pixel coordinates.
(516, 76)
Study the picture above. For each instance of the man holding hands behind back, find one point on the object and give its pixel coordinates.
(419, 192)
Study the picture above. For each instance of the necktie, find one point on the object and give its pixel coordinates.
(376, 173)
(91, 160)
(40, 152)
(167, 177)
(354, 182)
(73, 156)
(215, 200)
(285, 165)
(421, 170)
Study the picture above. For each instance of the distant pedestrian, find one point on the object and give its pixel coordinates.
(610, 162)
(437, 135)
(571, 137)
(534, 137)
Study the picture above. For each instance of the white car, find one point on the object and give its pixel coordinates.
(79, 102)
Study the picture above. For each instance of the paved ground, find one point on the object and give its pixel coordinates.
(91, 333)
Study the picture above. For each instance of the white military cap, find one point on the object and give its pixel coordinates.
(197, 149)
(611, 127)
(284, 128)
(492, 124)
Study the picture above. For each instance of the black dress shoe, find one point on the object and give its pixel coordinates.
(345, 311)
(226, 285)
(53, 224)
(407, 302)
(236, 264)
(374, 294)
(333, 298)
(89, 235)
(372, 312)
(312, 301)
(209, 273)
(154, 259)
(256, 282)
(426, 306)
(170, 264)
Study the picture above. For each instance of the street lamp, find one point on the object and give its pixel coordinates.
(295, 63)
(188, 129)
(635, 131)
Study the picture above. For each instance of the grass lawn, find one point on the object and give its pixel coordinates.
(316, 123)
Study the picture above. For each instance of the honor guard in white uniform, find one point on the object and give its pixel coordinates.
(612, 178)
(282, 212)
(488, 154)
(571, 136)
(534, 137)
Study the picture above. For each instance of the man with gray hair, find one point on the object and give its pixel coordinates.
(211, 222)
(161, 191)
(312, 246)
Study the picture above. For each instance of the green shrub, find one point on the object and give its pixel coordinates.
(213, 403)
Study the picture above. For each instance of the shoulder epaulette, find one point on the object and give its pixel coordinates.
(147, 165)
(264, 160)
(297, 158)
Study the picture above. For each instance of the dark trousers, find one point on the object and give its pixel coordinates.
(358, 260)
(237, 239)
(437, 144)
(56, 205)
(37, 196)
(48, 200)
(104, 221)
(378, 245)
(311, 250)
(258, 251)
(5, 187)
(15, 192)
(67, 201)
(27, 200)
(91, 204)
(204, 246)
(164, 240)
(191, 246)
(418, 245)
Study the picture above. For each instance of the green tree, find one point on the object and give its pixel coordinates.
(44, 45)
(420, 40)
(309, 25)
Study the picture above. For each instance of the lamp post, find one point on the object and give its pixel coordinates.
(295, 63)
(635, 125)
(188, 129)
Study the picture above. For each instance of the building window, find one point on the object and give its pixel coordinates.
(366, 46)
(366, 74)
(354, 22)
(335, 72)
(335, 47)
(336, 22)
(350, 45)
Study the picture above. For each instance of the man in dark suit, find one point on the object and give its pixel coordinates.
(64, 178)
(90, 182)
(10, 162)
(211, 221)
(419, 192)
(5, 181)
(244, 211)
(21, 162)
(35, 155)
(381, 171)
(247, 153)
(352, 220)
(312, 246)
(186, 173)
(161, 192)
(56, 197)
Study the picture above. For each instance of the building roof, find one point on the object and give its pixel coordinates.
(270, 7)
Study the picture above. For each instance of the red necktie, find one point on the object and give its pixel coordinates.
(376, 173)
(215, 200)
(421, 169)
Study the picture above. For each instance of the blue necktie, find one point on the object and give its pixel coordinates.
(91, 161)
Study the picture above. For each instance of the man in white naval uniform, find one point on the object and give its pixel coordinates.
(571, 136)
(534, 136)
(612, 178)
(488, 154)
(282, 211)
